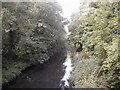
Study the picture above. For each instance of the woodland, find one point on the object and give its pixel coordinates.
(33, 32)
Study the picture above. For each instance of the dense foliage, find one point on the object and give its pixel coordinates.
(31, 32)
(97, 29)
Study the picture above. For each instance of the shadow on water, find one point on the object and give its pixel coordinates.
(42, 76)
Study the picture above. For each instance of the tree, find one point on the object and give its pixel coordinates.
(99, 33)
(31, 33)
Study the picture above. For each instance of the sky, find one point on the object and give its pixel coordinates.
(69, 6)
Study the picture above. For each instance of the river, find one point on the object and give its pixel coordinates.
(48, 75)
(53, 74)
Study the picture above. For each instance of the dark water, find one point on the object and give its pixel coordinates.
(46, 76)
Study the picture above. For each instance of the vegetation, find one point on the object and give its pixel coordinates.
(31, 34)
(97, 29)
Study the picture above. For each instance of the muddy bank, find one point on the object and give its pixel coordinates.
(45, 76)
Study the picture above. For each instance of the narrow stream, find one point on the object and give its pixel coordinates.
(67, 71)
(67, 64)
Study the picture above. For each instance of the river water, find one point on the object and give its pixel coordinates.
(53, 74)
(48, 75)
(67, 71)
(67, 64)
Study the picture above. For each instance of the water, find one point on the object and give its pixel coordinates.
(45, 76)
(68, 69)
(67, 64)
